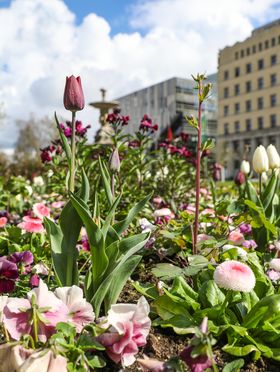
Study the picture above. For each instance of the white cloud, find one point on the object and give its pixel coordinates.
(41, 43)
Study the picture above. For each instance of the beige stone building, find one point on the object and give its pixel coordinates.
(249, 96)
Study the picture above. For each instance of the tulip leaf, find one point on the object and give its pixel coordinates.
(122, 225)
(64, 141)
(106, 181)
(96, 242)
(64, 237)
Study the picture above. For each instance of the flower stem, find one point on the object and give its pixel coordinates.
(197, 177)
(260, 184)
(73, 151)
(34, 318)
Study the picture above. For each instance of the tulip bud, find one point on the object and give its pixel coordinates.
(73, 94)
(245, 167)
(273, 157)
(114, 162)
(260, 160)
(239, 178)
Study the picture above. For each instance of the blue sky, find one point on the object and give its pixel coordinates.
(173, 38)
(114, 11)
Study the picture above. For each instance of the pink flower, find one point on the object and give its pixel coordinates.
(152, 365)
(3, 221)
(41, 210)
(163, 212)
(208, 211)
(8, 275)
(58, 204)
(80, 312)
(235, 276)
(18, 313)
(45, 360)
(273, 275)
(130, 326)
(203, 237)
(34, 281)
(275, 264)
(32, 225)
(236, 237)
(23, 260)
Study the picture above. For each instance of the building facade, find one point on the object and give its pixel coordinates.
(168, 103)
(249, 96)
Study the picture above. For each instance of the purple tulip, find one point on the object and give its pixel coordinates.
(73, 94)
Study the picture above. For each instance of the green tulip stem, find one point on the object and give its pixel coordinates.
(73, 151)
(34, 318)
(260, 184)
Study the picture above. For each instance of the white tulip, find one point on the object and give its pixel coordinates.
(273, 157)
(260, 160)
(245, 167)
(38, 181)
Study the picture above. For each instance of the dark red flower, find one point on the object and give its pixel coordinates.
(8, 275)
(73, 94)
(239, 178)
(198, 364)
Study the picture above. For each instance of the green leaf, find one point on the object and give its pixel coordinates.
(234, 366)
(96, 240)
(106, 181)
(269, 191)
(146, 289)
(167, 271)
(242, 350)
(65, 144)
(125, 267)
(181, 324)
(64, 237)
(252, 193)
(265, 310)
(123, 225)
(210, 294)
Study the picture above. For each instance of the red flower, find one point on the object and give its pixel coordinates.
(73, 94)
(8, 275)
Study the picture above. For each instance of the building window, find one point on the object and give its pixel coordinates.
(259, 141)
(248, 125)
(248, 51)
(226, 128)
(260, 64)
(279, 39)
(236, 55)
(235, 145)
(248, 86)
(254, 49)
(266, 44)
(248, 105)
(237, 72)
(260, 103)
(260, 122)
(272, 140)
(242, 53)
(226, 110)
(273, 41)
(273, 59)
(226, 75)
(273, 121)
(237, 127)
(225, 92)
(248, 68)
(260, 83)
(236, 108)
(273, 79)
(236, 89)
(273, 100)
(260, 47)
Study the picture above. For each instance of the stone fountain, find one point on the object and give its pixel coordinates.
(103, 135)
